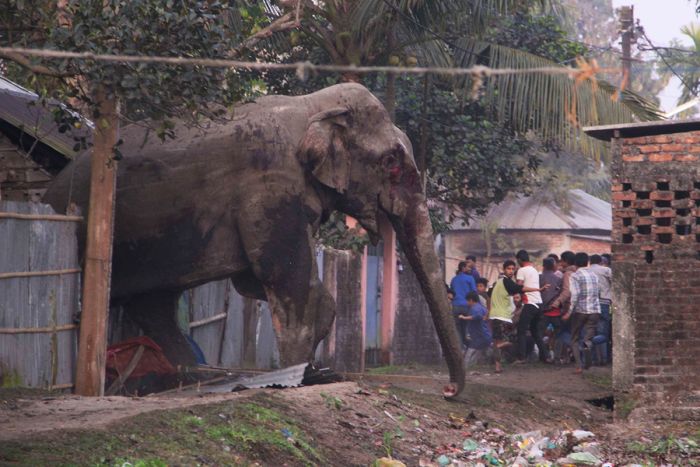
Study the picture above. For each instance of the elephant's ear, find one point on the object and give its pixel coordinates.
(323, 150)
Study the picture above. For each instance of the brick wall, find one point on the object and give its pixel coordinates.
(656, 258)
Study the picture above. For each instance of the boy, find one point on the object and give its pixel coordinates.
(482, 285)
(480, 335)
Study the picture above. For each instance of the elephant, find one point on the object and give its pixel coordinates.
(241, 198)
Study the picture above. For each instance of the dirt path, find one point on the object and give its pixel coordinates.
(22, 418)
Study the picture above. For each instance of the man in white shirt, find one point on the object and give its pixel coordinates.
(530, 317)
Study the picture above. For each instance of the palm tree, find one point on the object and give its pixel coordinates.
(381, 32)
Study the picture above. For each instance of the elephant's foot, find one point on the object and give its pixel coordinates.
(155, 314)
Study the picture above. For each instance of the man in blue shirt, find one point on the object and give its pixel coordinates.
(462, 284)
(480, 335)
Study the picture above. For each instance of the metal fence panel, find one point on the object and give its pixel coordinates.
(39, 291)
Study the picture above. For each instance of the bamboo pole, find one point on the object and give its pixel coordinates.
(90, 372)
(208, 320)
(40, 217)
(62, 327)
(57, 272)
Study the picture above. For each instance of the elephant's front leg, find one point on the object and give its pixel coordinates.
(283, 259)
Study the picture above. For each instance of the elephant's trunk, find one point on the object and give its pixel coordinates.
(415, 234)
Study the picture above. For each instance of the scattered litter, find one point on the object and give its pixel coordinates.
(388, 462)
(444, 460)
(580, 435)
(470, 445)
(583, 458)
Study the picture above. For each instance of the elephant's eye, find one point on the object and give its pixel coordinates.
(390, 161)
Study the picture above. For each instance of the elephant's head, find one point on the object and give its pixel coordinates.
(353, 149)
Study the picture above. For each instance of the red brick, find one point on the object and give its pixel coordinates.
(675, 147)
(621, 213)
(661, 157)
(639, 158)
(661, 195)
(643, 203)
(624, 196)
(695, 194)
(664, 212)
(644, 220)
(683, 203)
(660, 229)
(647, 148)
(617, 187)
(662, 139)
(685, 158)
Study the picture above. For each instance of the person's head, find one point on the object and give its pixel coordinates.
(548, 264)
(471, 261)
(482, 284)
(568, 258)
(509, 268)
(523, 257)
(554, 257)
(472, 298)
(596, 259)
(462, 267)
(517, 298)
(581, 260)
(607, 259)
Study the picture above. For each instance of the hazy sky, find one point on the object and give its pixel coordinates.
(662, 21)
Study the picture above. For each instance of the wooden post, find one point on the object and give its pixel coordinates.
(90, 375)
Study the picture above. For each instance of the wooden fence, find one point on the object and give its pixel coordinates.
(39, 295)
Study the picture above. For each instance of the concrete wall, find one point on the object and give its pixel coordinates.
(656, 259)
(414, 339)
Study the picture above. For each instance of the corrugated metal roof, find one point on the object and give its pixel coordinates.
(633, 130)
(526, 213)
(21, 109)
(290, 377)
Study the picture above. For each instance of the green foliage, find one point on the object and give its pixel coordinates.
(471, 161)
(539, 35)
(147, 92)
(332, 402)
(335, 233)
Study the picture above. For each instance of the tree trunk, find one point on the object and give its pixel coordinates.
(90, 374)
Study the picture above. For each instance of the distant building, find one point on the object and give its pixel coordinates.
(536, 225)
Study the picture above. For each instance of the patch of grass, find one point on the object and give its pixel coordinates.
(600, 380)
(683, 451)
(624, 405)
(385, 370)
(257, 427)
(228, 433)
(332, 402)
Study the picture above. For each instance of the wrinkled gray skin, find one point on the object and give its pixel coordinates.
(242, 200)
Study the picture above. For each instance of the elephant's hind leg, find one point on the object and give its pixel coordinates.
(155, 313)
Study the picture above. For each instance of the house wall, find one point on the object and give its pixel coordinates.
(656, 257)
(504, 244)
(21, 179)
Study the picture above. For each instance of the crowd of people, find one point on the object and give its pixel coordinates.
(559, 315)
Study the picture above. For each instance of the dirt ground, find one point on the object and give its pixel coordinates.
(348, 423)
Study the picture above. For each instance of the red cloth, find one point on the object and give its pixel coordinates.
(152, 360)
(553, 312)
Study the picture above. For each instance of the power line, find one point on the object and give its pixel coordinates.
(668, 65)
